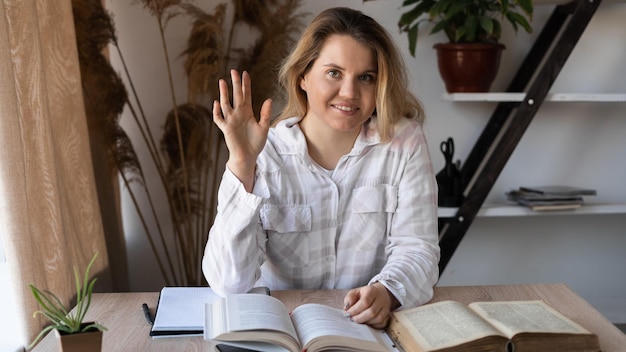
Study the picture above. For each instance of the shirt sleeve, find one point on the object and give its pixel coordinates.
(234, 251)
(412, 269)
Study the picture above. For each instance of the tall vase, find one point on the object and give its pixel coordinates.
(468, 67)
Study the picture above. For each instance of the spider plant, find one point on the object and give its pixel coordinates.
(61, 318)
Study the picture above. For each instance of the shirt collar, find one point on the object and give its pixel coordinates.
(292, 140)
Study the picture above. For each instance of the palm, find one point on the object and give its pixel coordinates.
(244, 136)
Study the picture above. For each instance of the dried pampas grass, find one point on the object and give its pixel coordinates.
(190, 152)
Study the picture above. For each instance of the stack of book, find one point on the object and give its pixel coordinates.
(544, 198)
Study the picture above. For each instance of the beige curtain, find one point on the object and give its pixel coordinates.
(50, 220)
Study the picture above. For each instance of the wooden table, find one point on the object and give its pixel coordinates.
(128, 330)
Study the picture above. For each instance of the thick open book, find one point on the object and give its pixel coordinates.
(263, 323)
(520, 326)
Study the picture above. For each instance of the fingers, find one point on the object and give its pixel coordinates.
(224, 100)
(246, 88)
(241, 93)
(238, 90)
(368, 305)
(240, 114)
(351, 298)
(266, 114)
(238, 93)
(217, 114)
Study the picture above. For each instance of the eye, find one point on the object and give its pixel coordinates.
(369, 78)
(334, 73)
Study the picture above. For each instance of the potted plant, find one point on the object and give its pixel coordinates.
(473, 30)
(73, 333)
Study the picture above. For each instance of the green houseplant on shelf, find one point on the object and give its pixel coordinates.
(73, 333)
(473, 29)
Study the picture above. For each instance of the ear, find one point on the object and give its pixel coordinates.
(303, 83)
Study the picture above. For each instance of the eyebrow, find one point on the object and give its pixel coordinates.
(331, 65)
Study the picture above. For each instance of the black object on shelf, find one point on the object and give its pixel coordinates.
(449, 178)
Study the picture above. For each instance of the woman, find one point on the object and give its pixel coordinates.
(340, 192)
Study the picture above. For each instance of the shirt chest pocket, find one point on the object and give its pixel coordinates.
(287, 228)
(372, 209)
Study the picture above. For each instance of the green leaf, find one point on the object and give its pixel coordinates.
(438, 27)
(437, 9)
(454, 9)
(54, 309)
(459, 34)
(84, 292)
(515, 19)
(412, 35)
(497, 30)
(38, 297)
(527, 7)
(41, 334)
(93, 326)
(63, 311)
(85, 304)
(65, 329)
(504, 4)
(407, 18)
(486, 23)
(470, 26)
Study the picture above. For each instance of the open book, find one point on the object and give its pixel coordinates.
(263, 323)
(518, 326)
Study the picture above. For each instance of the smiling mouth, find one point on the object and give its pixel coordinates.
(345, 108)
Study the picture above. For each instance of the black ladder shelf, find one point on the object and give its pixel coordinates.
(509, 121)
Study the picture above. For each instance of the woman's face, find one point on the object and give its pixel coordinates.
(341, 85)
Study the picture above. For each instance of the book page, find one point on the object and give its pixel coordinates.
(315, 320)
(526, 316)
(444, 324)
(246, 312)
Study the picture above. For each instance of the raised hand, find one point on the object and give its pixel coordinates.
(245, 136)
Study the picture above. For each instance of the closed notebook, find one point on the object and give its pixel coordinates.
(560, 190)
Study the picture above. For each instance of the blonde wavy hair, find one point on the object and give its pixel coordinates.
(394, 100)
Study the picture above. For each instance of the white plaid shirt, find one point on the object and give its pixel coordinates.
(373, 218)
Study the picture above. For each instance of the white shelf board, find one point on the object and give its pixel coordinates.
(493, 210)
(562, 2)
(550, 97)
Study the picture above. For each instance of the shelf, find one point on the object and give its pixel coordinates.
(550, 97)
(492, 210)
(562, 2)
(515, 110)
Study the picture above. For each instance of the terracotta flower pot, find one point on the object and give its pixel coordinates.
(90, 341)
(468, 67)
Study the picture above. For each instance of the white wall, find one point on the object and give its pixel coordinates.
(578, 144)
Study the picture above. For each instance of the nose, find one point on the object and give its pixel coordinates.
(349, 88)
